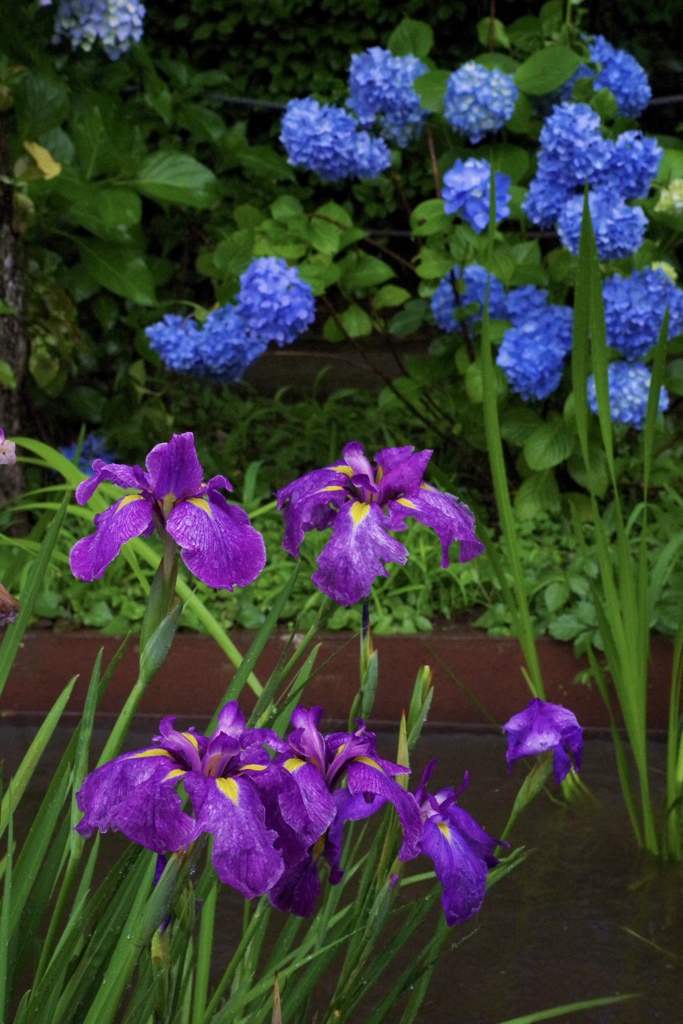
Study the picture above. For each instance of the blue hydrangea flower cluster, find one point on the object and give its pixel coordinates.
(94, 447)
(629, 386)
(117, 23)
(634, 310)
(525, 303)
(329, 141)
(273, 304)
(533, 354)
(479, 100)
(381, 87)
(448, 297)
(619, 229)
(466, 190)
(622, 75)
(573, 152)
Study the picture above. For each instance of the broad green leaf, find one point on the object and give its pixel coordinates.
(356, 322)
(512, 160)
(120, 268)
(550, 444)
(325, 237)
(172, 177)
(502, 61)
(546, 70)
(409, 319)
(320, 272)
(264, 162)
(431, 88)
(671, 166)
(519, 423)
(389, 296)
(360, 270)
(538, 493)
(41, 102)
(411, 36)
(556, 595)
(433, 263)
(285, 207)
(491, 30)
(526, 34)
(334, 212)
(7, 378)
(428, 218)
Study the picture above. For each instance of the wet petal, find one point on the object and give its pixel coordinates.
(401, 474)
(218, 543)
(305, 504)
(544, 726)
(449, 517)
(350, 807)
(244, 853)
(308, 807)
(298, 888)
(461, 872)
(174, 468)
(353, 557)
(128, 518)
(114, 473)
(135, 794)
(365, 775)
(354, 457)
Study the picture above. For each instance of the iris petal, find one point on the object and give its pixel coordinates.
(174, 468)
(450, 519)
(306, 504)
(353, 557)
(133, 794)
(461, 872)
(244, 854)
(218, 544)
(113, 473)
(128, 518)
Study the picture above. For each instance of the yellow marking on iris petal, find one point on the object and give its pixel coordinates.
(254, 767)
(346, 470)
(427, 487)
(203, 504)
(359, 510)
(153, 752)
(379, 474)
(368, 760)
(292, 763)
(443, 827)
(406, 502)
(174, 774)
(229, 788)
(193, 740)
(127, 500)
(332, 487)
(339, 749)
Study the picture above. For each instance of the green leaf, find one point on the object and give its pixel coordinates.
(325, 237)
(119, 268)
(498, 35)
(411, 36)
(389, 296)
(556, 595)
(409, 319)
(105, 212)
(264, 162)
(512, 160)
(172, 177)
(428, 218)
(539, 493)
(673, 379)
(41, 102)
(525, 33)
(285, 207)
(7, 378)
(550, 444)
(431, 89)
(519, 423)
(356, 322)
(333, 211)
(433, 263)
(671, 166)
(502, 61)
(546, 70)
(359, 271)
(320, 272)
(605, 104)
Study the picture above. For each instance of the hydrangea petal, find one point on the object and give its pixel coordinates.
(353, 557)
(218, 544)
(128, 518)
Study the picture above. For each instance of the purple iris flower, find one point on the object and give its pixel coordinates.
(224, 775)
(217, 542)
(319, 764)
(543, 726)
(462, 852)
(362, 503)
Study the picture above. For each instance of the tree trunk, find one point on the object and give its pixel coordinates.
(13, 339)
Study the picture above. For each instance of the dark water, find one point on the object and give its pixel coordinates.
(584, 916)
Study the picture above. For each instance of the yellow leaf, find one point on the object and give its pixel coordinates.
(47, 165)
